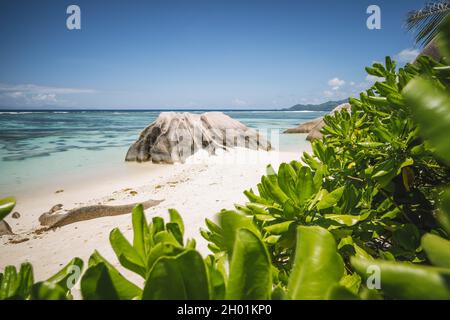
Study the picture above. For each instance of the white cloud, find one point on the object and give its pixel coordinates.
(407, 55)
(335, 83)
(239, 103)
(42, 97)
(32, 88)
(36, 95)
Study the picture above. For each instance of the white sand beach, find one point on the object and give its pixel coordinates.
(198, 189)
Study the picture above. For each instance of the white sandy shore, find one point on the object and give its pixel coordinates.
(196, 190)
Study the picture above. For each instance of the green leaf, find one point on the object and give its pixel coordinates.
(252, 197)
(250, 269)
(48, 291)
(166, 237)
(162, 250)
(443, 215)
(347, 219)
(182, 277)
(400, 280)
(230, 222)
(279, 228)
(287, 179)
(9, 283)
(330, 199)
(431, 109)
(338, 292)
(6, 206)
(157, 225)
(274, 190)
(216, 278)
(174, 229)
(317, 266)
(437, 249)
(16, 285)
(96, 284)
(175, 217)
(67, 277)
(305, 185)
(140, 231)
(352, 282)
(126, 253)
(105, 282)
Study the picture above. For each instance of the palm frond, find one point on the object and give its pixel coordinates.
(426, 22)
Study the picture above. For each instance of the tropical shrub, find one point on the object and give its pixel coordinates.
(173, 271)
(373, 181)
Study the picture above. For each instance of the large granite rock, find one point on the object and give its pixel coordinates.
(173, 137)
(305, 127)
(314, 127)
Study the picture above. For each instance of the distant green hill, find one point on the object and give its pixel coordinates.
(327, 106)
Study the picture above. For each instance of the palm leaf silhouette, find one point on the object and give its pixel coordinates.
(426, 21)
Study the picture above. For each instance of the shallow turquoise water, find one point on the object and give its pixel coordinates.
(41, 145)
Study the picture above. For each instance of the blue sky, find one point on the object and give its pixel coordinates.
(193, 53)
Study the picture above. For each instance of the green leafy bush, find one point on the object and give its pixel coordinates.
(20, 285)
(174, 271)
(373, 180)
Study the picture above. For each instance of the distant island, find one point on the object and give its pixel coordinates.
(326, 106)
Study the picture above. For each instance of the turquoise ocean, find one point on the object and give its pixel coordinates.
(39, 145)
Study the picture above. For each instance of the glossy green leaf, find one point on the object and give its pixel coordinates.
(126, 253)
(140, 231)
(182, 277)
(103, 281)
(330, 199)
(279, 228)
(347, 219)
(96, 284)
(175, 217)
(68, 276)
(174, 229)
(230, 222)
(216, 276)
(317, 265)
(287, 179)
(431, 109)
(407, 281)
(305, 185)
(250, 269)
(162, 250)
(48, 291)
(437, 249)
(6, 206)
(16, 285)
(338, 292)
(443, 215)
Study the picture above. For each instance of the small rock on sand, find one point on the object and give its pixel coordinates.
(15, 215)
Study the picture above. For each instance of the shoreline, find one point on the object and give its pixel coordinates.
(198, 189)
